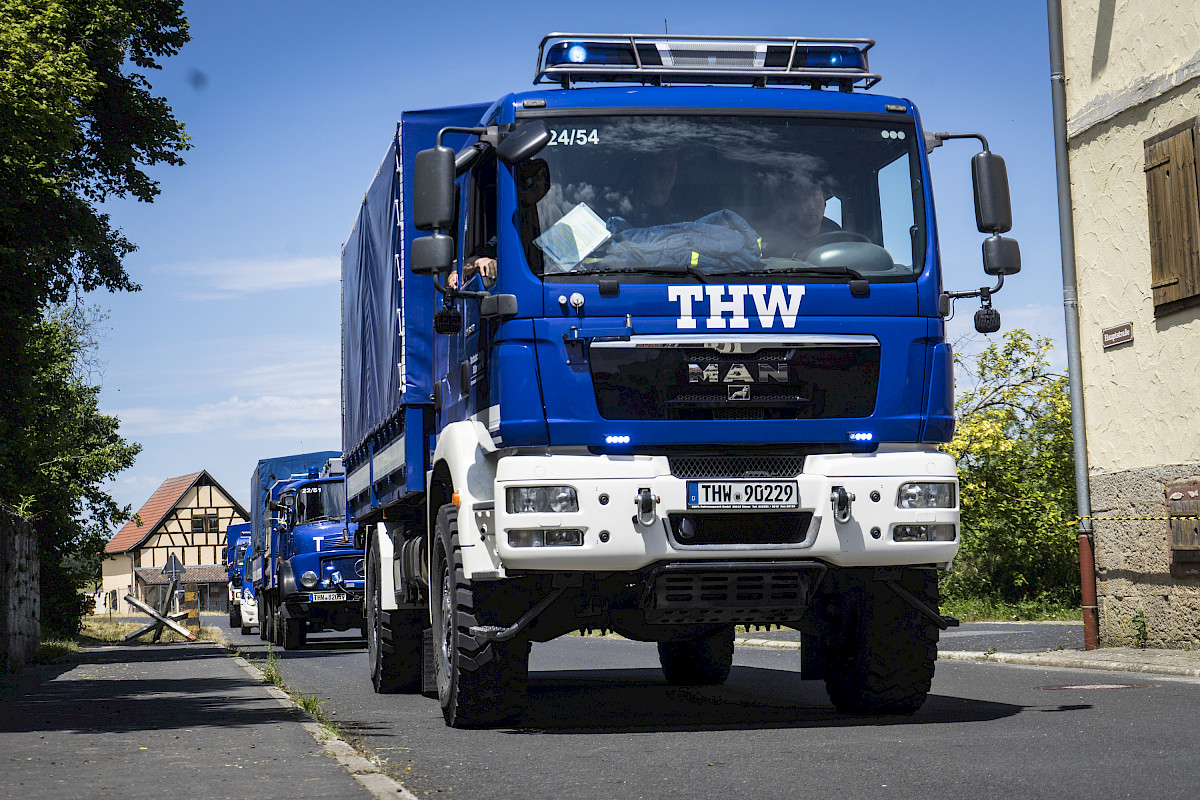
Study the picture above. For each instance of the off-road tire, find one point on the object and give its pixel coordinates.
(264, 619)
(293, 633)
(700, 662)
(479, 683)
(883, 663)
(235, 615)
(393, 637)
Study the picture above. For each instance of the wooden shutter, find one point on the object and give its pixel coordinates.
(1174, 212)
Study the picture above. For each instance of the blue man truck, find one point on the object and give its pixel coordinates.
(660, 349)
(237, 542)
(310, 574)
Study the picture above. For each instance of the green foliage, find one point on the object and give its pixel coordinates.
(1016, 469)
(69, 449)
(77, 126)
(1141, 633)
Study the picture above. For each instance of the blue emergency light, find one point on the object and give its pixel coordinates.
(633, 58)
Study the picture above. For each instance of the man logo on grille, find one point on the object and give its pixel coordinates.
(739, 392)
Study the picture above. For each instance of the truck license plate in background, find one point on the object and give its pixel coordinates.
(327, 597)
(743, 494)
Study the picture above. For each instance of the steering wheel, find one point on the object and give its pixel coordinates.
(830, 237)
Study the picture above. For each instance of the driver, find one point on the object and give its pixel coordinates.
(808, 221)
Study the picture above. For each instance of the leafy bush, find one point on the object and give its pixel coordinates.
(1016, 469)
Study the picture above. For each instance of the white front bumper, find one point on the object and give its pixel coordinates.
(630, 545)
(249, 612)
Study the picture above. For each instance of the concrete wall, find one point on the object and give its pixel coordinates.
(20, 605)
(1133, 71)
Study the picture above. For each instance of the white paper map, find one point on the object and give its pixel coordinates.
(574, 237)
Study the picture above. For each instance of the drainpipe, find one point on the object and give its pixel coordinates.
(1066, 232)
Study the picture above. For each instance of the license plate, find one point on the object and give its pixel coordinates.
(743, 494)
(327, 597)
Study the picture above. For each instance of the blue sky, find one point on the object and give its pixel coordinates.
(231, 351)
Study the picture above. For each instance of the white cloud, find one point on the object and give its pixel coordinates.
(228, 278)
(263, 417)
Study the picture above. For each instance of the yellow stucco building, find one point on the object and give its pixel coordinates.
(1132, 71)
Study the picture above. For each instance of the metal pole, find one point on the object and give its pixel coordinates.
(1066, 230)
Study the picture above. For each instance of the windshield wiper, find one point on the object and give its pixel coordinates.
(812, 269)
(668, 269)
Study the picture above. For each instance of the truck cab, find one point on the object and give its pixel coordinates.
(317, 579)
(237, 542)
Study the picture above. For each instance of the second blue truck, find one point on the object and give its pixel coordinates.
(308, 573)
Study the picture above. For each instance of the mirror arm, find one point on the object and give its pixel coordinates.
(936, 139)
(983, 292)
(452, 294)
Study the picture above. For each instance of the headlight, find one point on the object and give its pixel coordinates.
(532, 499)
(546, 537)
(926, 495)
(309, 579)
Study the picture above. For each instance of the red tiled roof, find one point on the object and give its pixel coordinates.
(152, 512)
(206, 573)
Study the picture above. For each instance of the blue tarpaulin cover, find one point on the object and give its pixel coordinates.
(387, 329)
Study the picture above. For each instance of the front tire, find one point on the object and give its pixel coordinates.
(393, 637)
(294, 634)
(883, 663)
(705, 661)
(479, 683)
(235, 616)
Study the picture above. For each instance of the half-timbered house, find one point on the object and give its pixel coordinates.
(186, 516)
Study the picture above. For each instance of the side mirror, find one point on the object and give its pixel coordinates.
(1001, 256)
(432, 254)
(523, 143)
(498, 305)
(433, 189)
(993, 207)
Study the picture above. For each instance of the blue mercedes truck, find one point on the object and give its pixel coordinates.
(237, 542)
(658, 347)
(310, 575)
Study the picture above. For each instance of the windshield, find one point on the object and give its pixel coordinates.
(321, 501)
(720, 195)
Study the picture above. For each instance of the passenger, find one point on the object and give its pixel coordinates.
(654, 176)
(483, 263)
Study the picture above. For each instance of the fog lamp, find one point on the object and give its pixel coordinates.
(940, 532)
(546, 537)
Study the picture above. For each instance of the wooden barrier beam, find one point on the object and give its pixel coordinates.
(162, 620)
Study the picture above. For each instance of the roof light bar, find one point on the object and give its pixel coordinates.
(570, 58)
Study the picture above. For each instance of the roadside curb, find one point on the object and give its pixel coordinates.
(366, 772)
(1074, 661)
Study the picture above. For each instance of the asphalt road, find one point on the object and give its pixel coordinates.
(602, 723)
